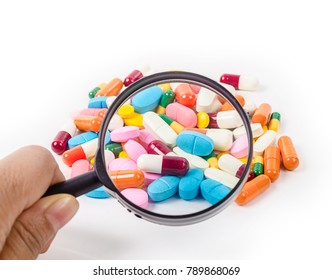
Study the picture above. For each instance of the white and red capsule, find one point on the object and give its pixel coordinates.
(240, 82)
(60, 142)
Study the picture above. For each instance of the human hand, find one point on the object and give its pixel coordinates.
(29, 224)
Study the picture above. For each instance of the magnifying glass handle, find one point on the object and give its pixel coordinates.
(76, 186)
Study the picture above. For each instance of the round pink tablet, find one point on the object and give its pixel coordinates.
(80, 167)
(239, 148)
(149, 178)
(145, 138)
(122, 164)
(195, 88)
(134, 149)
(183, 115)
(123, 134)
(137, 196)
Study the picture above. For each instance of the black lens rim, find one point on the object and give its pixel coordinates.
(161, 78)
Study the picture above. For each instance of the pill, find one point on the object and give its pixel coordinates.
(108, 156)
(182, 114)
(147, 99)
(221, 176)
(232, 165)
(173, 124)
(157, 147)
(145, 138)
(138, 197)
(203, 120)
(159, 128)
(185, 96)
(98, 102)
(81, 138)
(124, 179)
(123, 154)
(194, 143)
(229, 119)
(256, 129)
(109, 101)
(258, 167)
(164, 165)
(135, 120)
(93, 92)
(80, 167)
(195, 88)
(289, 157)
(267, 139)
(194, 161)
(100, 112)
(99, 193)
(250, 108)
(163, 188)
(84, 151)
(240, 82)
(189, 184)
(262, 114)
(165, 87)
(126, 111)
(213, 191)
(240, 147)
(212, 160)
(149, 178)
(88, 123)
(111, 89)
(60, 142)
(274, 121)
(123, 134)
(167, 98)
(252, 189)
(205, 101)
(134, 149)
(229, 88)
(115, 148)
(272, 162)
(136, 74)
(227, 106)
(122, 164)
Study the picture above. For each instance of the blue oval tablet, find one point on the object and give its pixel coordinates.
(163, 188)
(189, 184)
(147, 100)
(195, 143)
(213, 191)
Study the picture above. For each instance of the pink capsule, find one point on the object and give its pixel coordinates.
(60, 142)
(164, 165)
(135, 75)
(240, 82)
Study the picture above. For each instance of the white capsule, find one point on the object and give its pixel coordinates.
(250, 108)
(90, 148)
(222, 138)
(70, 128)
(194, 161)
(150, 163)
(229, 164)
(221, 176)
(248, 83)
(159, 128)
(207, 101)
(267, 139)
(229, 119)
(256, 129)
(116, 122)
(230, 88)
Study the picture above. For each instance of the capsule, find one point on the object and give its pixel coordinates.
(272, 162)
(262, 114)
(240, 82)
(164, 165)
(88, 123)
(111, 89)
(178, 128)
(124, 179)
(252, 189)
(227, 106)
(84, 151)
(115, 148)
(81, 139)
(258, 168)
(93, 92)
(167, 98)
(100, 112)
(185, 95)
(274, 122)
(289, 157)
(207, 101)
(267, 139)
(229, 119)
(136, 74)
(233, 166)
(157, 147)
(60, 142)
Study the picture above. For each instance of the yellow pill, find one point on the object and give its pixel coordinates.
(213, 162)
(161, 110)
(165, 87)
(265, 128)
(123, 154)
(136, 120)
(126, 111)
(203, 120)
(92, 161)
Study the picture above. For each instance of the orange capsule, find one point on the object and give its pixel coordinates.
(253, 188)
(185, 95)
(262, 114)
(102, 112)
(227, 106)
(288, 153)
(272, 162)
(111, 89)
(88, 123)
(124, 179)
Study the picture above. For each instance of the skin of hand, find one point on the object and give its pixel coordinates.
(29, 223)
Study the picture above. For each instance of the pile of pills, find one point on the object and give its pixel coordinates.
(177, 140)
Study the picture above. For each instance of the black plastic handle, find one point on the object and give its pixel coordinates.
(76, 186)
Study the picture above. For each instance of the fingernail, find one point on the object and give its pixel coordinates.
(61, 211)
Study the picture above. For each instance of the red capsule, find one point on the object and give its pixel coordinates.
(157, 147)
(60, 142)
(135, 75)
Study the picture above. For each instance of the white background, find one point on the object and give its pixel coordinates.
(53, 53)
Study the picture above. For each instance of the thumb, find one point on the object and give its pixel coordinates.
(38, 225)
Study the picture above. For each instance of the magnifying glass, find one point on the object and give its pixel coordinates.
(180, 169)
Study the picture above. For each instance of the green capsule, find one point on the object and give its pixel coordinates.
(274, 121)
(167, 119)
(93, 92)
(167, 98)
(116, 148)
(258, 168)
(275, 115)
